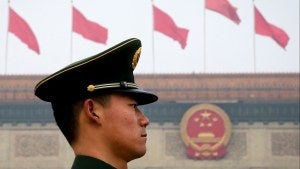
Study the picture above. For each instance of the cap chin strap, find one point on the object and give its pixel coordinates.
(122, 84)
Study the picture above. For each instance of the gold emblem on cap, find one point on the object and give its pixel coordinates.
(136, 58)
(91, 88)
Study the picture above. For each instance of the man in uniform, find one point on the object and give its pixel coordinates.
(95, 105)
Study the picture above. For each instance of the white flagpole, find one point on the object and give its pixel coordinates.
(204, 38)
(153, 54)
(254, 39)
(71, 37)
(6, 44)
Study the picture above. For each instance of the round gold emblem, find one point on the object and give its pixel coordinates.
(205, 130)
(91, 88)
(136, 57)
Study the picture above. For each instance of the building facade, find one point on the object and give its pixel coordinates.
(263, 110)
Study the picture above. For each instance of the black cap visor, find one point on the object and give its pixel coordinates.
(140, 96)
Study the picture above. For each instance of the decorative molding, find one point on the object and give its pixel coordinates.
(34, 145)
(285, 143)
(183, 87)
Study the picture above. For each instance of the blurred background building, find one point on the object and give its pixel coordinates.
(263, 110)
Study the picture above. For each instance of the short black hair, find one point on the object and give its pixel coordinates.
(66, 115)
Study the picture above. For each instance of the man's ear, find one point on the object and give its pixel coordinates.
(92, 110)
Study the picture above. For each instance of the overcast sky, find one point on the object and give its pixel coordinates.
(215, 44)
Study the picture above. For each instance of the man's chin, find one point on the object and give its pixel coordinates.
(139, 154)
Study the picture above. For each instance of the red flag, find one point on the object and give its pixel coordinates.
(19, 27)
(88, 29)
(223, 7)
(262, 27)
(165, 24)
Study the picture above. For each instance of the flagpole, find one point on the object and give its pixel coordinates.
(153, 55)
(71, 37)
(254, 41)
(204, 38)
(6, 44)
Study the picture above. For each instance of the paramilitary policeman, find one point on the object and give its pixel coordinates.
(95, 105)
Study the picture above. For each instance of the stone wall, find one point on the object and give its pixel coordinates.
(255, 146)
(34, 147)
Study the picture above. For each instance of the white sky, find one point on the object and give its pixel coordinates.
(215, 44)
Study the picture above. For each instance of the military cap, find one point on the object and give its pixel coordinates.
(108, 71)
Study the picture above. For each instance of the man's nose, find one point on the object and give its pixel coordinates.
(144, 120)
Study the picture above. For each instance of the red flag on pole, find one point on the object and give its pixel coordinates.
(164, 23)
(224, 8)
(88, 29)
(20, 28)
(262, 27)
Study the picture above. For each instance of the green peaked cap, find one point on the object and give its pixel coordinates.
(108, 71)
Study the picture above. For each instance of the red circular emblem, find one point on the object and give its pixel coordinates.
(205, 130)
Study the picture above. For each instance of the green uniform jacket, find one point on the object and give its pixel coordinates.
(86, 162)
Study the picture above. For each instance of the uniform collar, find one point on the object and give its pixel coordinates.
(86, 162)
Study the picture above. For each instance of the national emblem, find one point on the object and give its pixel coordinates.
(205, 130)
